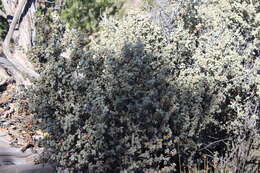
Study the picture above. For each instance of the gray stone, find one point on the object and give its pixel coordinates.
(13, 160)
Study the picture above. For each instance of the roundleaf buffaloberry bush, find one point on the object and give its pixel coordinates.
(145, 97)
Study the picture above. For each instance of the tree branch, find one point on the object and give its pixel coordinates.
(8, 65)
(16, 18)
(3, 14)
(6, 49)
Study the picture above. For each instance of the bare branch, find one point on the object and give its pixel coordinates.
(3, 14)
(8, 6)
(8, 65)
(6, 49)
(16, 18)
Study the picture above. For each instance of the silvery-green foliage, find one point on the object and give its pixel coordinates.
(217, 62)
(167, 15)
(227, 56)
(81, 102)
(135, 99)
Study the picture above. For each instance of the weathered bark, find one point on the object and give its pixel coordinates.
(22, 32)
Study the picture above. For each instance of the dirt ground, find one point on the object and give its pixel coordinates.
(18, 151)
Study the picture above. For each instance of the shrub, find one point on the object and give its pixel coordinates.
(85, 15)
(96, 126)
(141, 99)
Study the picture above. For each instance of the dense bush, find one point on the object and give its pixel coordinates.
(145, 97)
(85, 82)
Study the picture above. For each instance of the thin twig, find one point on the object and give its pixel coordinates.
(221, 140)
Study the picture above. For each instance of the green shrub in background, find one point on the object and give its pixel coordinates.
(3, 25)
(85, 15)
(145, 97)
(80, 14)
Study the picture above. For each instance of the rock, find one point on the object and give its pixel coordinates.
(27, 168)
(13, 160)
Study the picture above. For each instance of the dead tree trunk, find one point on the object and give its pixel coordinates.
(21, 34)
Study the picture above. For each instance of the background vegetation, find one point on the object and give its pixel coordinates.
(3, 25)
(80, 14)
(85, 15)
